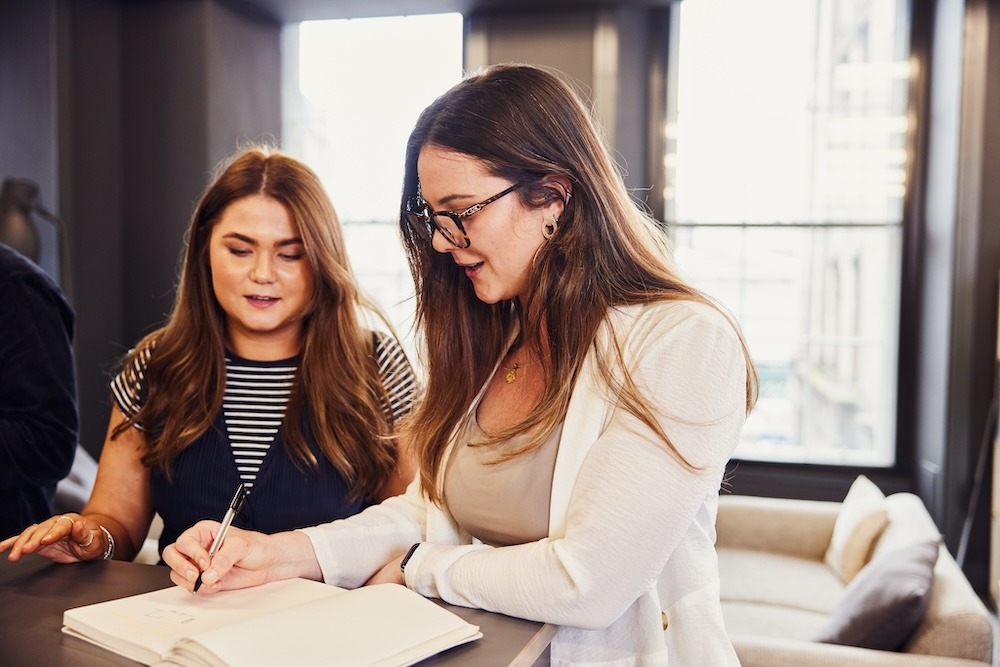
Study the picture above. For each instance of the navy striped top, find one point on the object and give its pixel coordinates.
(257, 393)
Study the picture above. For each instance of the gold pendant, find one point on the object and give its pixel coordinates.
(512, 373)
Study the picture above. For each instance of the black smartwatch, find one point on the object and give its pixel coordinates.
(406, 558)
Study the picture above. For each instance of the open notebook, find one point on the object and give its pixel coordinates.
(283, 622)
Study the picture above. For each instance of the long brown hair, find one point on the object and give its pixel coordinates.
(337, 376)
(525, 123)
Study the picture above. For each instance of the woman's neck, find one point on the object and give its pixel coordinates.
(532, 335)
(264, 348)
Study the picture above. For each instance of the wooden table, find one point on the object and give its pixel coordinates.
(35, 592)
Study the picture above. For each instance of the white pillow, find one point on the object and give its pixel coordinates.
(861, 520)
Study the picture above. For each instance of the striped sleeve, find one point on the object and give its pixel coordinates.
(127, 387)
(396, 375)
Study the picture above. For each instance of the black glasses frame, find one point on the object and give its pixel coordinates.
(422, 218)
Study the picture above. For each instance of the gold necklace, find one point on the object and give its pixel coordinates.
(511, 373)
(512, 370)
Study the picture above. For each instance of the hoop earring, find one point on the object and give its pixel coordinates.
(549, 229)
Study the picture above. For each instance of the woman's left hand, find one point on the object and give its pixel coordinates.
(64, 538)
(389, 574)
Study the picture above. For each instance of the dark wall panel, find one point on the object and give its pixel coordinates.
(93, 185)
(164, 83)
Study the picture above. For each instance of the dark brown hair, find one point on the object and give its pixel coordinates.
(337, 376)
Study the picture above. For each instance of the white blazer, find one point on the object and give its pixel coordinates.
(631, 542)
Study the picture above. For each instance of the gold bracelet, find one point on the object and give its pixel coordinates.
(110, 551)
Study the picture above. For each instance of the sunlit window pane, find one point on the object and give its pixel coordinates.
(787, 175)
(353, 93)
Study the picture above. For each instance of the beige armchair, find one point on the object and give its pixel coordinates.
(778, 593)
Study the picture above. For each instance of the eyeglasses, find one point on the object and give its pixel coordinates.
(424, 221)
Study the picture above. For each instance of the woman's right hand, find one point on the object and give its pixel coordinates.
(65, 538)
(246, 558)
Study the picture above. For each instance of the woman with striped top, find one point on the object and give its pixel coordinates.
(266, 375)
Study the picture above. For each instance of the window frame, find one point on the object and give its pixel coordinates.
(820, 481)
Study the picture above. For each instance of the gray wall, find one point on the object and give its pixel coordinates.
(91, 159)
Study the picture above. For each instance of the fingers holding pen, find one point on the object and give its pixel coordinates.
(188, 556)
(233, 565)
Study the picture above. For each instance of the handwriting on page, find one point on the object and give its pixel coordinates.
(169, 617)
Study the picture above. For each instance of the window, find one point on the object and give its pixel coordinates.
(350, 124)
(786, 171)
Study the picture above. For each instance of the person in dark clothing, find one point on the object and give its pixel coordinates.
(38, 404)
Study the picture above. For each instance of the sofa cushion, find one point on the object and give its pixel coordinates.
(909, 523)
(756, 619)
(778, 581)
(886, 601)
(861, 520)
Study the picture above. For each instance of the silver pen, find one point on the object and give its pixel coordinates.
(234, 509)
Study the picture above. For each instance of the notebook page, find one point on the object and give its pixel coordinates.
(144, 627)
(385, 624)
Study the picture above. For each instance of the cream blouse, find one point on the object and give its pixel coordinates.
(505, 503)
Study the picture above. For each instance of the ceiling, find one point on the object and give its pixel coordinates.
(293, 11)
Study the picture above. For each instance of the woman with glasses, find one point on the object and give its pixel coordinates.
(582, 399)
(266, 377)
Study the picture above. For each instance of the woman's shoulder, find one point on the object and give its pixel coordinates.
(390, 357)
(663, 316)
(395, 373)
(386, 347)
(134, 363)
(137, 358)
(145, 347)
(671, 332)
(128, 387)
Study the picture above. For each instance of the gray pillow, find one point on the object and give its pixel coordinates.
(886, 600)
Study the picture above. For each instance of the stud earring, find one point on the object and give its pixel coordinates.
(549, 229)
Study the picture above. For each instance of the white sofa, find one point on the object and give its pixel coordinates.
(778, 593)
